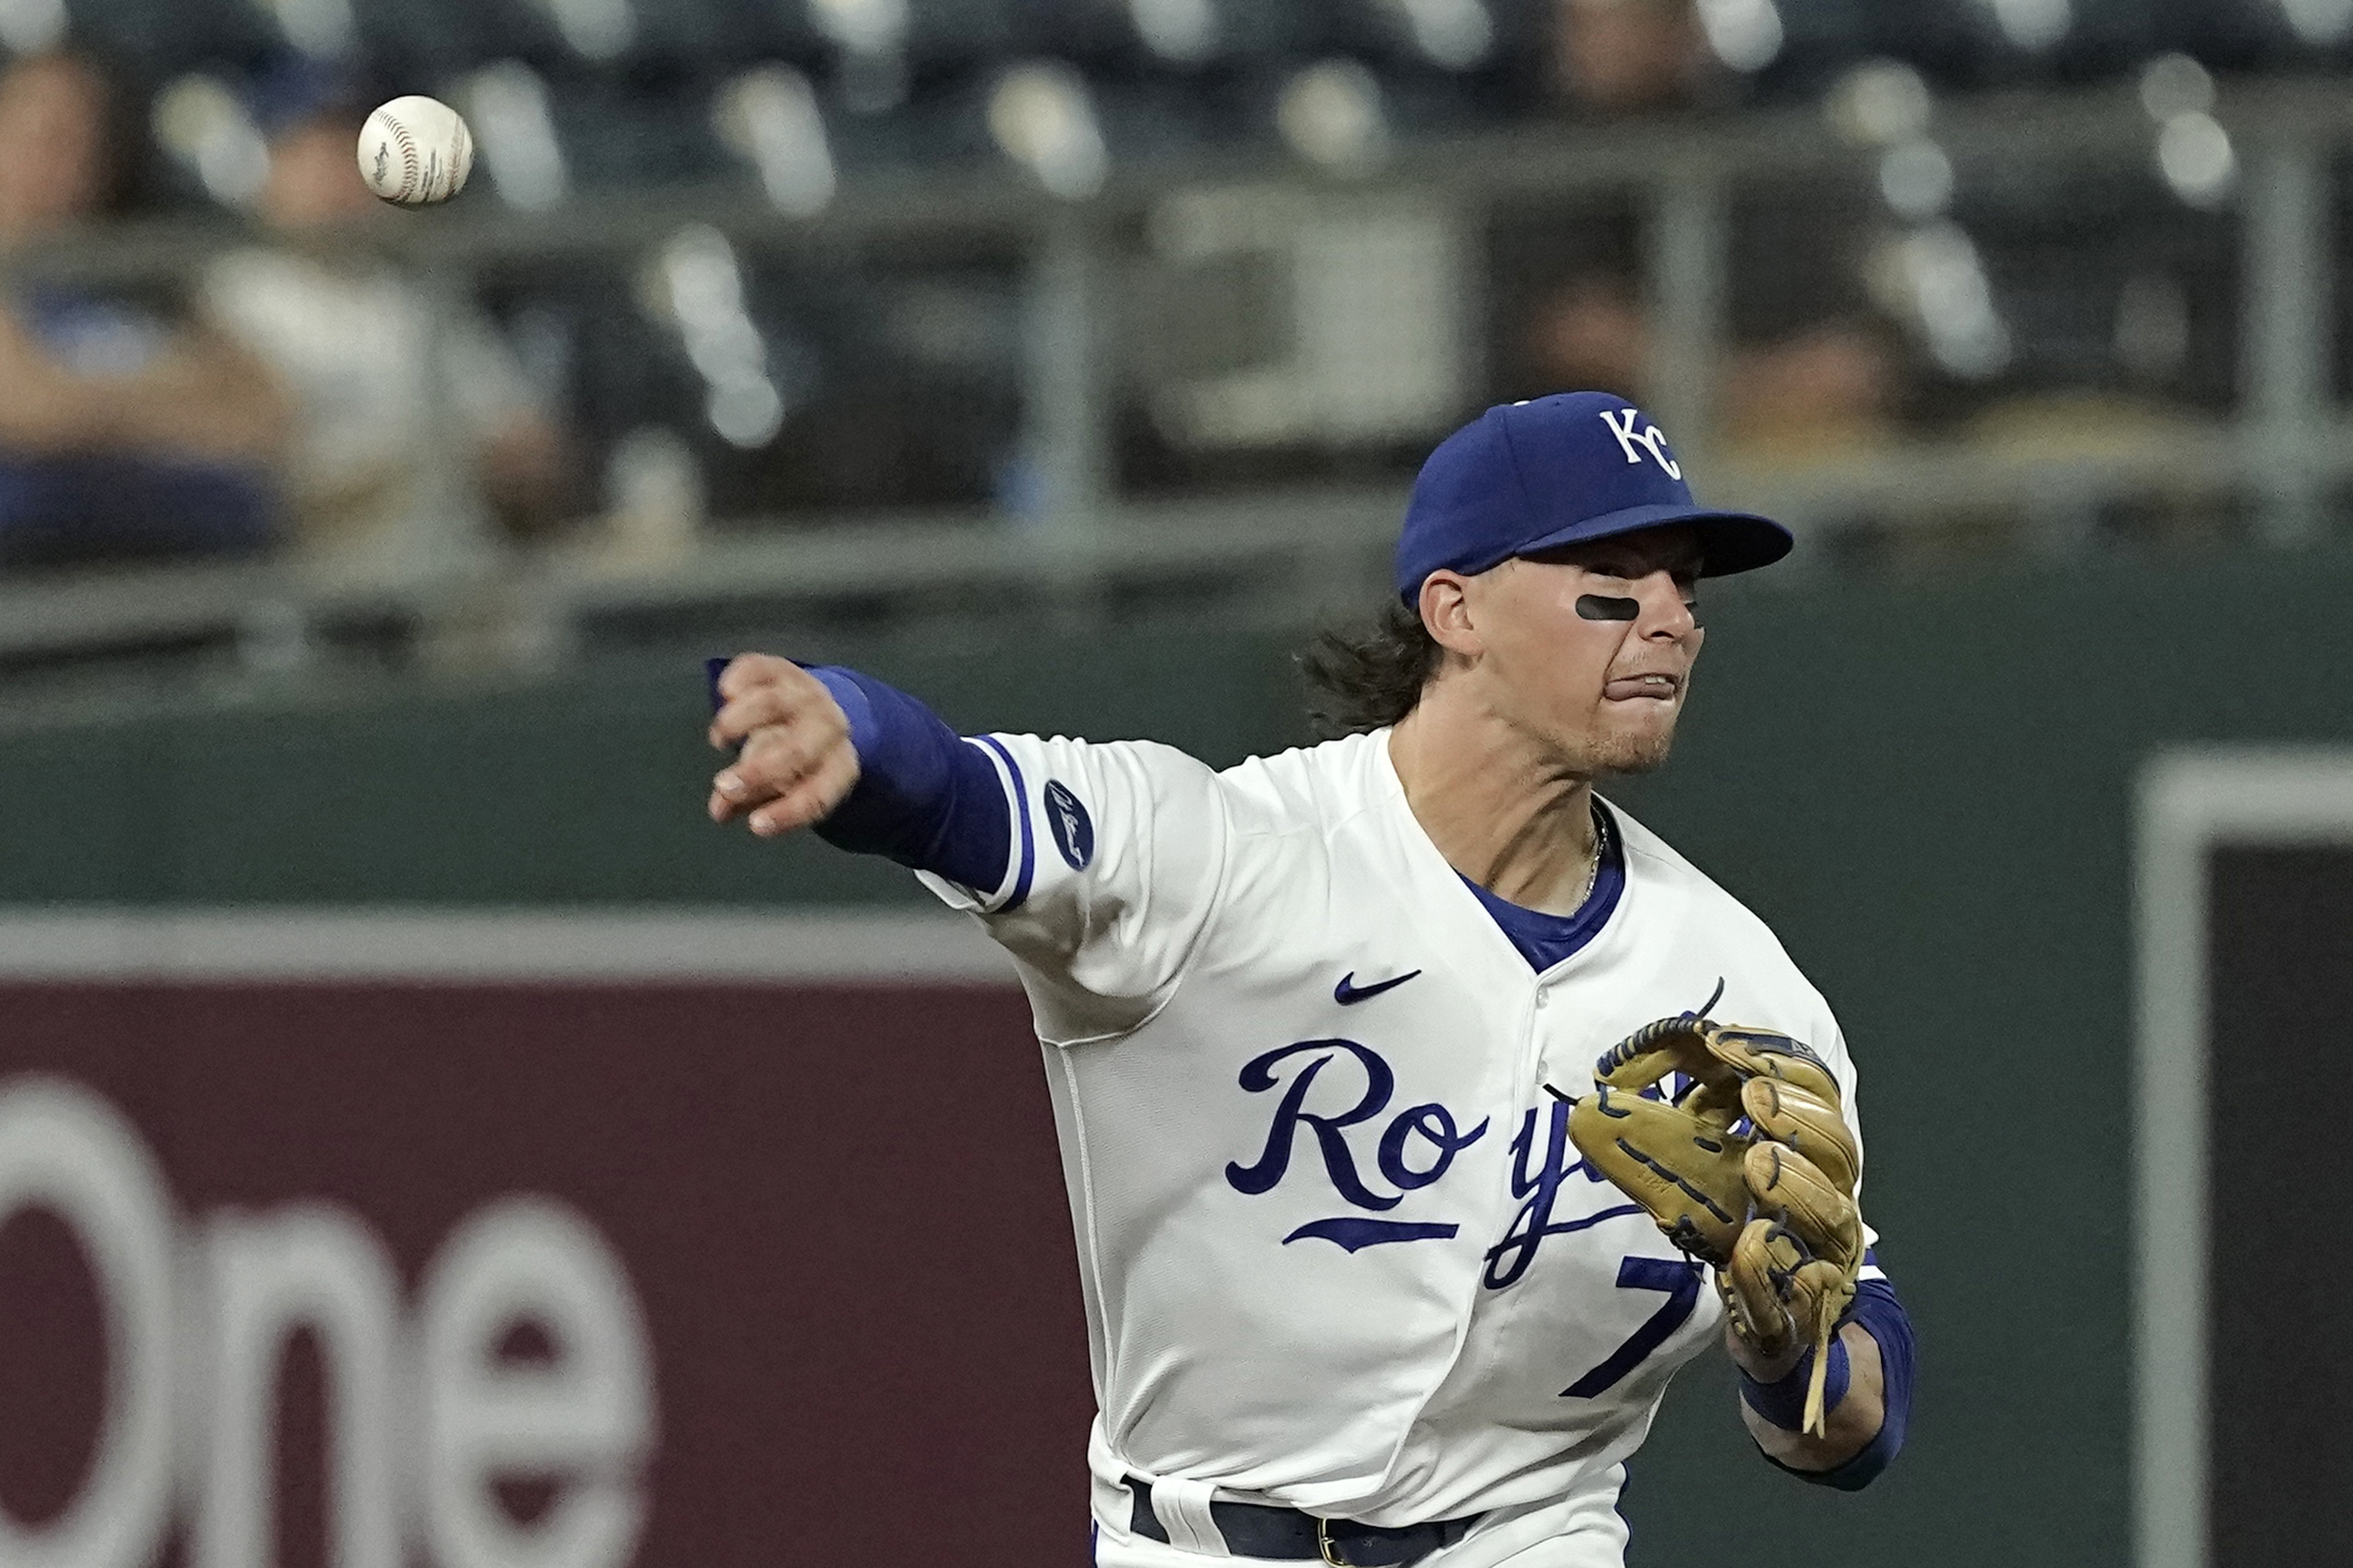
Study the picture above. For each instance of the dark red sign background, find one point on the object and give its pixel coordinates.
(841, 1211)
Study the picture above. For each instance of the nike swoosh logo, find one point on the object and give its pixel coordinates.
(1347, 995)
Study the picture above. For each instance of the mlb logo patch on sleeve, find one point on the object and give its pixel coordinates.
(1074, 830)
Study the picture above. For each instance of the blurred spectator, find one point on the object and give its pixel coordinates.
(1631, 57)
(122, 431)
(1811, 364)
(349, 339)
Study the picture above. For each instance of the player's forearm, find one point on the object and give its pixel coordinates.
(1866, 1428)
(924, 798)
(1850, 1426)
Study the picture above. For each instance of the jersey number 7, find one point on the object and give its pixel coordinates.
(1679, 1277)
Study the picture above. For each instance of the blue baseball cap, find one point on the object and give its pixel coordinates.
(1532, 477)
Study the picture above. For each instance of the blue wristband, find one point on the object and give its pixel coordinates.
(1784, 1403)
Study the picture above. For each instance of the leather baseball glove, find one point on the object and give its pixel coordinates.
(1750, 1169)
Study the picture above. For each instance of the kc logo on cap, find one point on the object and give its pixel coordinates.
(1554, 472)
(1652, 440)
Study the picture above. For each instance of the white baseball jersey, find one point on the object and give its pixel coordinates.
(1338, 1252)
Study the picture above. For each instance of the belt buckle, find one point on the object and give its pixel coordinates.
(1323, 1545)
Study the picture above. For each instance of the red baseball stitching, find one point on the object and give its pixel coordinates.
(409, 190)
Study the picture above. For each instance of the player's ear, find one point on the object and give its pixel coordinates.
(1446, 612)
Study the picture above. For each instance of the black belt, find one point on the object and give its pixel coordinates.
(1287, 1535)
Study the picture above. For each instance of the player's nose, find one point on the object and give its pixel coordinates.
(1668, 610)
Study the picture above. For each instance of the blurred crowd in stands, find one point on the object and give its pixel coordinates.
(309, 386)
(283, 396)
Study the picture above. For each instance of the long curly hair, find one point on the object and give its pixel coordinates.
(1369, 675)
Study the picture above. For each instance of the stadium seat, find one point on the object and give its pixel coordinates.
(1966, 43)
(2248, 35)
(1453, 35)
(1113, 38)
(1819, 40)
(2062, 246)
(641, 35)
(1158, 122)
(1175, 38)
(1955, 43)
(947, 124)
(513, 29)
(415, 44)
(156, 39)
(2110, 38)
(952, 35)
(750, 30)
(617, 137)
(1454, 64)
(900, 382)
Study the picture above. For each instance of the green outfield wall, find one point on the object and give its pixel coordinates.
(1927, 790)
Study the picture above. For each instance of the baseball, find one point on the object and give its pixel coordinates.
(416, 152)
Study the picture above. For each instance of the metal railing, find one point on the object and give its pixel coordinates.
(1280, 554)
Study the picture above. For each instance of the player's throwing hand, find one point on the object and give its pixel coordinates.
(796, 764)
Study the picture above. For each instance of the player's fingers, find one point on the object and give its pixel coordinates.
(754, 669)
(743, 788)
(1805, 1122)
(774, 761)
(765, 771)
(784, 696)
(768, 708)
(772, 688)
(759, 789)
(809, 802)
(737, 793)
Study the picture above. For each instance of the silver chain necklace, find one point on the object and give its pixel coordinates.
(1592, 872)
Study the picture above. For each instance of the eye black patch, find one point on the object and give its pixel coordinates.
(1601, 607)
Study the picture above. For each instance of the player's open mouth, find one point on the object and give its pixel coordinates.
(1639, 687)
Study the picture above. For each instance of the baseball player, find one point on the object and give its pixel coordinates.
(1408, 1158)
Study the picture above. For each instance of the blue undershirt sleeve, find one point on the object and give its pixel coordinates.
(1883, 1317)
(925, 798)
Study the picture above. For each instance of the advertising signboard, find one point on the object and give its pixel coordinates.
(538, 1243)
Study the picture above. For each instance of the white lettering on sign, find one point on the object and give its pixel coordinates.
(589, 1416)
(423, 1415)
(1652, 440)
(68, 1152)
(271, 1276)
